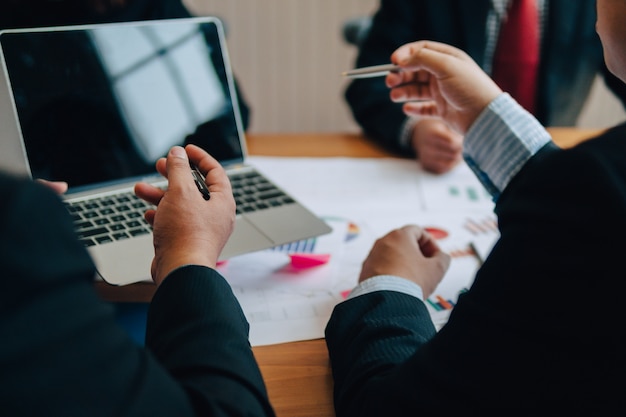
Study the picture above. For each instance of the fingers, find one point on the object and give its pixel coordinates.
(410, 253)
(437, 146)
(216, 177)
(420, 108)
(149, 193)
(413, 88)
(178, 172)
(458, 88)
(439, 163)
(435, 57)
(149, 216)
(430, 249)
(201, 159)
(428, 245)
(59, 187)
(161, 166)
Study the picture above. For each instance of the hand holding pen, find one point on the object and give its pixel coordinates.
(188, 230)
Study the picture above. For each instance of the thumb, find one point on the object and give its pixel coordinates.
(431, 249)
(443, 260)
(178, 168)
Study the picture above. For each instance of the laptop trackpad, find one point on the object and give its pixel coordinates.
(245, 238)
(281, 224)
(125, 261)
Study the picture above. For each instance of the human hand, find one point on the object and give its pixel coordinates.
(187, 228)
(59, 187)
(438, 148)
(440, 80)
(410, 253)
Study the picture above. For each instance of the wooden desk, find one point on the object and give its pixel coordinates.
(297, 375)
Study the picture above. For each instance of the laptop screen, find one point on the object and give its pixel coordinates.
(98, 104)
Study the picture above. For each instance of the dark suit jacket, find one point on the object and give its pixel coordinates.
(63, 355)
(571, 57)
(541, 330)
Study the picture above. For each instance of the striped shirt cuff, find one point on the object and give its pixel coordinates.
(387, 283)
(500, 142)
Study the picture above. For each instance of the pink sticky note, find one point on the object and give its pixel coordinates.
(308, 260)
(345, 294)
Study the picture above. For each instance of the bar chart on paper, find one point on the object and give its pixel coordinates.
(310, 245)
(460, 237)
(467, 192)
(440, 303)
(457, 281)
(301, 246)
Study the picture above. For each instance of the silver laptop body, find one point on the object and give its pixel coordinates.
(97, 105)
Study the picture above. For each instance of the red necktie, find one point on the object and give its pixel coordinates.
(516, 57)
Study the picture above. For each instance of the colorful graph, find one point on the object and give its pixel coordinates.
(300, 246)
(440, 304)
(481, 226)
(437, 233)
(310, 245)
(471, 193)
(461, 252)
(353, 231)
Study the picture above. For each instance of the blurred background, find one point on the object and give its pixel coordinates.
(288, 56)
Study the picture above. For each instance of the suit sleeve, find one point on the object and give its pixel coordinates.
(393, 25)
(369, 337)
(62, 352)
(528, 336)
(198, 332)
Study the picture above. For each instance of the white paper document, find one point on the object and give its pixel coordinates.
(361, 199)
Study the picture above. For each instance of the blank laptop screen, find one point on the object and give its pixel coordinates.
(101, 104)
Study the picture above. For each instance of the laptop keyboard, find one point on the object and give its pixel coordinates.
(108, 219)
(254, 192)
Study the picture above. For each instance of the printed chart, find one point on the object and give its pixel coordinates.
(362, 200)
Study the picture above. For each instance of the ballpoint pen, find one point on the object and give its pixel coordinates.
(198, 178)
(369, 72)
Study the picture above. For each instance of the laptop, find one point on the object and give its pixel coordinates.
(97, 105)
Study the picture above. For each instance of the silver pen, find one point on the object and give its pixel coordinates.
(369, 72)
